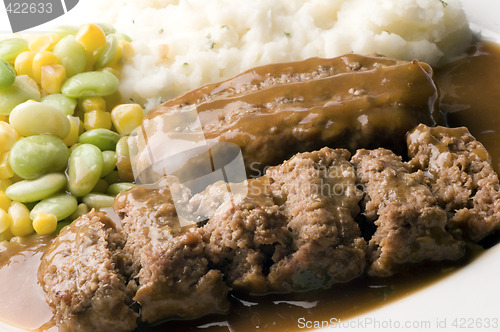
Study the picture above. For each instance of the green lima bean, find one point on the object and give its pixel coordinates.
(104, 139)
(33, 156)
(90, 84)
(35, 118)
(65, 104)
(38, 189)
(23, 89)
(60, 205)
(7, 74)
(11, 47)
(98, 201)
(84, 169)
(71, 54)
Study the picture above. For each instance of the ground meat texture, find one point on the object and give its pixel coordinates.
(411, 227)
(246, 235)
(460, 175)
(317, 194)
(79, 273)
(166, 260)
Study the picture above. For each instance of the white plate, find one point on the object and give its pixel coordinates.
(466, 300)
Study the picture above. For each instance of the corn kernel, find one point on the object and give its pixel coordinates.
(24, 63)
(4, 118)
(8, 136)
(6, 171)
(97, 119)
(45, 223)
(44, 42)
(74, 131)
(43, 58)
(127, 49)
(91, 36)
(93, 104)
(53, 77)
(5, 183)
(4, 201)
(127, 117)
(21, 224)
(5, 221)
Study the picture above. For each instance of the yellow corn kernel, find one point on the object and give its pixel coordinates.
(97, 119)
(24, 63)
(44, 42)
(45, 223)
(8, 136)
(53, 77)
(5, 183)
(4, 201)
(21, 224)
(93, 104)
(128, 50)
(126, 117)
(5, 221)
(5, 169)
(43, 58)
(91, 36)
(4, 118)
(74, 131)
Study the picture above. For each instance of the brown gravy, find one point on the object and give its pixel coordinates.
(469, 94)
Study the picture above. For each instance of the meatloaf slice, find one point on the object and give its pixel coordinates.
(317, 193)
(247, 234)
(80, 274)
(411, 227)
(460, 175)
(167, 260)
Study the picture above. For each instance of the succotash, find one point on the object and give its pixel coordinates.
(63, 137)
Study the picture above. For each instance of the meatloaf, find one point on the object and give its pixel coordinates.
(275, 111)
(411, 227)
(298, 228)
(167, 260)
(461, 177)
(82, 274)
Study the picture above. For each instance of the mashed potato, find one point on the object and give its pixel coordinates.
(181, 45)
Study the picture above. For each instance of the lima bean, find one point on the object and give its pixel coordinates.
(109, 158)
(10, 48)
(116, 188)
(23, 89)
(65, 30)
(98, 201)
(35, 118)
(33, 156)
(107, 52)
(104, 139)
(65, 104)
(107, 28)
(60, 205)
(71, 54)
(80, 211)
(38, 189)
(84, 169)
(90, 84)
(7, 74)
